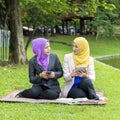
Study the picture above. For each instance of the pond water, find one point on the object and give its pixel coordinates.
(112, 61)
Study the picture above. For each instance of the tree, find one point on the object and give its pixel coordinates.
(17, 51)
(43, 13)
(116, 11)
(103, 15)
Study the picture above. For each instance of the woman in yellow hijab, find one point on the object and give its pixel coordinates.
(79, 72)
(82, 57)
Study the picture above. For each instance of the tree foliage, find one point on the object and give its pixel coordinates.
(48, 13)
(43, 12)
(103, 15)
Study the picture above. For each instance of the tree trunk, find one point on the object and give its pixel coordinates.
(17, 50)
(82, 27)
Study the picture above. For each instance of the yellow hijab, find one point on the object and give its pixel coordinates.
(82, 58)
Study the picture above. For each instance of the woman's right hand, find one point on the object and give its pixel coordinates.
(82, 74)
(44, 75)
(74, 73)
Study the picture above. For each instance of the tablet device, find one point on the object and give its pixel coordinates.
(80, 68)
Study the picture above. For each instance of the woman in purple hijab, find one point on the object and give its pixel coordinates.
(44, 70)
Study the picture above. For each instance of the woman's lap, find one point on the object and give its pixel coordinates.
(38, 92)
(76, 93)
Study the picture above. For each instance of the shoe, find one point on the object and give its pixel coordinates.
(96, 98)
(18, 95)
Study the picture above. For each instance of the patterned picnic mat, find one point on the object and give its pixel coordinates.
(70, 101)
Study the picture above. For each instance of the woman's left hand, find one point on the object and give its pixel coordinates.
(82, 74)
(51, 75)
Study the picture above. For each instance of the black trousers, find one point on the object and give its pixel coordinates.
(38, 92)
(84, 89)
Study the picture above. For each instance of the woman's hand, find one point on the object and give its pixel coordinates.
(51, 75)
(79, 73)
(47, 75)
(74, 73)
(44, 75)
(82, 74)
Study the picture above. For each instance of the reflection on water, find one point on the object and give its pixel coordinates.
(112, 61)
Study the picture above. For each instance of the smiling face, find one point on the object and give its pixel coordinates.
(47, 48)
(76, 50)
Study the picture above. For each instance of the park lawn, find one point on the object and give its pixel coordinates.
(107, 79)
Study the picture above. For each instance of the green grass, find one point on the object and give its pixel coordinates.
(107, 79)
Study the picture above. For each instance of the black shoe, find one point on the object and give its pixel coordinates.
(18, 95)
(96, 98)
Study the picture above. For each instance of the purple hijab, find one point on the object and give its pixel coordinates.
(38, 45)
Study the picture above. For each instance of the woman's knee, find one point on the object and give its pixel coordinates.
(50, 94)
(35, 92)
(76, 93)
